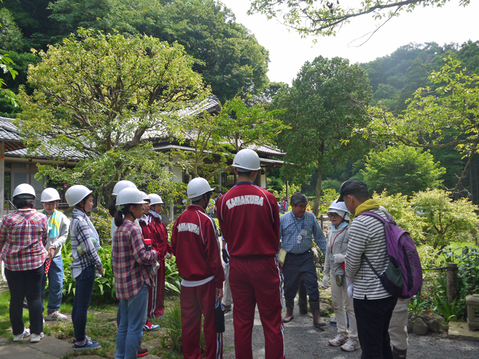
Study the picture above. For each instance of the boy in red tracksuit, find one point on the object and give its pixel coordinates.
(249, 220)
(197, 252)
(159, 242)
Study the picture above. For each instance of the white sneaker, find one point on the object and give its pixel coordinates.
(25, 334)
(339, 340)
(36, 337)
(351, 345)
(56, 315)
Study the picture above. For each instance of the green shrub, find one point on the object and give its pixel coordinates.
(172, 277)
(445, 220)
(172, 323)
(101, 219)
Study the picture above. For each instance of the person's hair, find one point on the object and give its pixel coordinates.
(198, 199)
(122, 213)
(243, 172)
(78, 205)
(298, 198)
(112, 207)
(23, 202)
(362, 194)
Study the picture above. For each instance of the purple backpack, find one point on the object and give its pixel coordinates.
(403, 276)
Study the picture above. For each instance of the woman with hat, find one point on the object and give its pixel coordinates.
(85, 244)
(23, 236)
(335, 255)
(58, 225)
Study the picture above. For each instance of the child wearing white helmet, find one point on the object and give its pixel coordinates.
(131, 260)
(159, 241)
(85, 243)
(22, 247)
(119, 186)
(58, 226)
(335, 256)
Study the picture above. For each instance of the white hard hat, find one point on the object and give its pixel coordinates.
(50, 194)
(197, 187)
(247, 160)
(339, 208)
(145, 196)
(122, 185)
(76, 193)
(129, 195)
(24, 190)
(155, 199)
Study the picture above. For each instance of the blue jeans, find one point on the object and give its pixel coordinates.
(132, 317)
(55, 284)
(83, 291)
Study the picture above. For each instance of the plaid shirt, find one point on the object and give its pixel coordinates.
(81, 233)
(22, 240)
(307, 227)
(130, 260)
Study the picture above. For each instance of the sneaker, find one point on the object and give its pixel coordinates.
(87, 344)
(339, 340)
(56, 315)
(142, 352)
(87, 338)
(351, 345)
(151, 327)
(25, 334)
(36, 337)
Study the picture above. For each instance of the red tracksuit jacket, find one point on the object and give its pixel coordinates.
(196, 246)
(246, 201)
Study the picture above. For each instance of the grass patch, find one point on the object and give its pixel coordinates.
(101, 326)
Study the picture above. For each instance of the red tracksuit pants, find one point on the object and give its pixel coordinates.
(257, 281)
(194, 302)
(156, 294)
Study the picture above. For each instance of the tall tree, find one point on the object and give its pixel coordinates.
(103, 96)
(326, 102)
(442, 118)
(324, 17)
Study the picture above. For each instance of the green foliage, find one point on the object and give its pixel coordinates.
(104, 96)
(10, 34)
(439, 118)
(101, 219)
(402, 169)
(327, 101)
(172, 323)
(172, 277)
(445, 220)
(329, 195)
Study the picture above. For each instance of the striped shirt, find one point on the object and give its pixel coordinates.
(23, 235)
(130, 260)
(366, 236)
(291, 228)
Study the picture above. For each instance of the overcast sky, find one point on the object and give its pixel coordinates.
(288, 51)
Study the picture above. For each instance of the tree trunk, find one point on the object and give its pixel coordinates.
(317, 192)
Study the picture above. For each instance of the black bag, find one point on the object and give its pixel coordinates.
(220, 317)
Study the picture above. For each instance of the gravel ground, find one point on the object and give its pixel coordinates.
(304, 341)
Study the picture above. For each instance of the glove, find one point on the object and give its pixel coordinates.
(326, 280)
(226, 257)
(339, 258)
(350, 283)
(167, 256)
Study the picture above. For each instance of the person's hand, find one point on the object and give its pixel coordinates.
(350, 290)
(167, 256)
(101, 270)
(226, 257)
(219, 293)
(51, 252)
(326, 280)
(339, 258)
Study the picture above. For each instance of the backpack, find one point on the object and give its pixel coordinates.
(403, 276)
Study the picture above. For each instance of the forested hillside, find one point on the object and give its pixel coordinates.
(227, 55)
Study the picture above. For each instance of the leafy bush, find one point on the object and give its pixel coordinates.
(444, 219)
(172, 277)
(172, 323)
(402, 169)
(101, 219)
(399, 207)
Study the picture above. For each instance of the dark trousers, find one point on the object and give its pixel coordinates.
(26, 284)
(296, 266)
(83, 291)
(372, 317)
